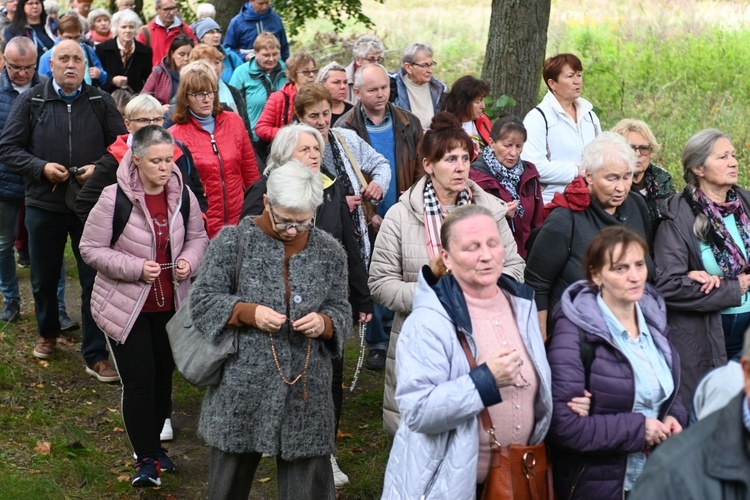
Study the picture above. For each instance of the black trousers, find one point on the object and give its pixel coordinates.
(145, 365)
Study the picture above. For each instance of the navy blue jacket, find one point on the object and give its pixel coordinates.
(11, 184)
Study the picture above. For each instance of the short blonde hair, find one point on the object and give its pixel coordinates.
(266, 40)
(627, 125)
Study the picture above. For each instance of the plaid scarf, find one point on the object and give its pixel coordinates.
(434, 213)
(728, 255)
(509, 178)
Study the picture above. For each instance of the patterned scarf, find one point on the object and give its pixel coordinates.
(728, 255)
(509, 178)
(652, 193)
(434, 213)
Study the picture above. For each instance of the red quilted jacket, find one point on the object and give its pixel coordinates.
(273, 117)
(225, 162)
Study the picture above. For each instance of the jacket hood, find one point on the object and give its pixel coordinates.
(578, 304)
(120, 147)
(249, 14)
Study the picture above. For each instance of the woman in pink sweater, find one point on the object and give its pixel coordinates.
(142, 279)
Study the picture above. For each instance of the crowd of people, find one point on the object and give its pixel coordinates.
(531, 284)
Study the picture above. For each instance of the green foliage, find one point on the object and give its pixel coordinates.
(296, 13)
(494, 107)
(677, 82)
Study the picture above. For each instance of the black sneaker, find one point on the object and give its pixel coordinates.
(11, 312)
(23, 259)
(375, 360)
(166, 463)
(67, 324)
(148, 473)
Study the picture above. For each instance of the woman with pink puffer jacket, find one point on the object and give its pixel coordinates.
(143, 270)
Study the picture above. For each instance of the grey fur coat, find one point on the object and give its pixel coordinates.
(252, 409)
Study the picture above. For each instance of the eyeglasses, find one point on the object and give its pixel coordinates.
(425, 65)
(33, 4)
(283, 226)
(148, 121)
(203, 96)
(169, 9)
(375, 60)
(641, 150)
(308, 72)
(19, 69)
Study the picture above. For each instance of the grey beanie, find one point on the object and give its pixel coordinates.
(204, 26)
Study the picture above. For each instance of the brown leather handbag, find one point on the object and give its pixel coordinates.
(517, 472)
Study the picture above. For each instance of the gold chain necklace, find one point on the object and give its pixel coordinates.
(302, 374)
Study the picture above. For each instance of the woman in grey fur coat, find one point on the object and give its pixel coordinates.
(292, 311)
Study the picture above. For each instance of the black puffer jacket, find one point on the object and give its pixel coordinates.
(71, 135)
(332, 217)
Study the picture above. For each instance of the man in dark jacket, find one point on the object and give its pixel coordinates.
(394, 133)
(711, 459)
(19, 75)
(52, 137)
(255, 17)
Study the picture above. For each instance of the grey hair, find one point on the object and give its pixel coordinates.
(608, 147)
(696, 152)
(205, 10)
(50, 6)
(411, 52)
(150, 135)
(22, 44)
(323, 74)
(366, 45)
(97, 13)
(126, 16)
(294, 187)
(359, 79)
(143, 104)
(282, 147)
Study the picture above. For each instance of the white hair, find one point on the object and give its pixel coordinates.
(283, 145)
(126, 16)
(294, 187)
(411, 52)
(608, 147)
(205, 10)
(366, 45)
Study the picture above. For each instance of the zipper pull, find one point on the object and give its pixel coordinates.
(213, 145)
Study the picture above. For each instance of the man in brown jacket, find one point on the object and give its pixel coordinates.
(394, 133)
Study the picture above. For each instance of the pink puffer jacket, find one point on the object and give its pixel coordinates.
(119, 294)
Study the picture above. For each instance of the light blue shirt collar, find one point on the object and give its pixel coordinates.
(59, 89)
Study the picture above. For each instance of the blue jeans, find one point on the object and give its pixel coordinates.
(8, 230)
(378, 332)
(61, 289)
(48, 234)
(734, 326)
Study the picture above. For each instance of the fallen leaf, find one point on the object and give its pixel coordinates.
(343, 435)
(264, 480)
(118, 429)
(123, 477)
(171, 497)
(89, 403)
(113, 410)
(43, 447)
(44, 363)
(39, 386)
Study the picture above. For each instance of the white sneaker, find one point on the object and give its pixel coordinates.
(167, 434)
(339, 478)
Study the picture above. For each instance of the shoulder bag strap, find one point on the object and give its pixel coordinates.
(240, 254)
(352, 161)
(485, 415)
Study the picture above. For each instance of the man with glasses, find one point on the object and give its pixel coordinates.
(255, 17)
(54, 133)
(416, 89)
(163, 28)
(19, 75)
(368, 49)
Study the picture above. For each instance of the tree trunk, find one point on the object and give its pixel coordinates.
(516, 47)
(226, 10)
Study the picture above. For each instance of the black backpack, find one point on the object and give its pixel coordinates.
(123, 208)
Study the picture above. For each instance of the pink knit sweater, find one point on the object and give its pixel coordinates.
(496, 332)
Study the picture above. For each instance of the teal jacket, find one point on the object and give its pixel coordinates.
(257, 85)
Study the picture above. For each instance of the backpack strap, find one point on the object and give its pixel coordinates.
(188, 157)
(185, 206)
(546, 131)
(596, 129)
(587, 355)
(121, 214)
